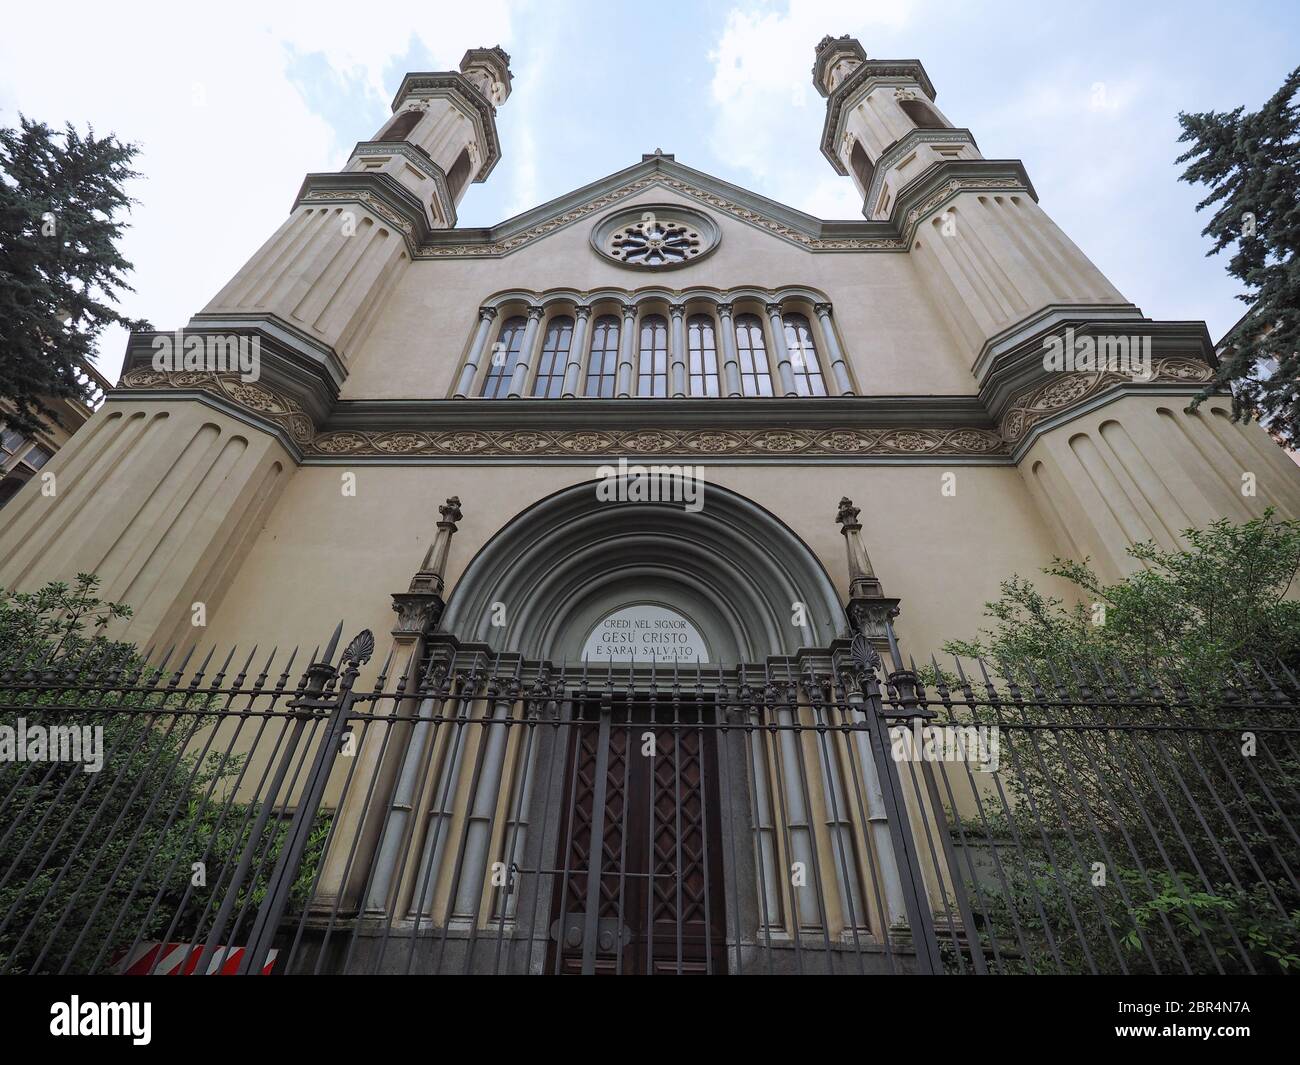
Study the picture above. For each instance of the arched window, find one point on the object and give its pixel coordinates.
(755, 374)
(602, 364)
(862, 168)
(505, 354)
(803, 356)
(921, 114)
(555, 355)
(459, 173)
(702, 343)
(402, 126)
(652, 363)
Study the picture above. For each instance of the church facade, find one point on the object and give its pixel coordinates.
(661, 423)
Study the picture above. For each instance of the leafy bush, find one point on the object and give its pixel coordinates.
(93, 862)
(1142, 728)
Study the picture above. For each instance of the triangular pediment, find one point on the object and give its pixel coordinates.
(694, 186)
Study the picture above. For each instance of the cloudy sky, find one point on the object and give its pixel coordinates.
(233, 102)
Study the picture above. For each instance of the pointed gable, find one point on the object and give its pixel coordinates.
(660, 171)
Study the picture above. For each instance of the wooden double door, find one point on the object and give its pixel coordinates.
(637, 882)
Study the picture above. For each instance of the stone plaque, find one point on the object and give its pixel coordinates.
(644, 633)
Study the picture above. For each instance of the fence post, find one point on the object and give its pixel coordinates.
(280, 883)
(915, 898)
(869, 611)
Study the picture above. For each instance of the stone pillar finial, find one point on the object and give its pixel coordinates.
(421, 605)
(869, 608)
(862, 578)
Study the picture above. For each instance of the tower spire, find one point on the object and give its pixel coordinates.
(873, 109)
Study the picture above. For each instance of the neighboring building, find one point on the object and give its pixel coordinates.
(660, 316)
(21, 456)
(1265, 368)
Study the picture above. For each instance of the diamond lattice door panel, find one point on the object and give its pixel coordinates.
(641, 836)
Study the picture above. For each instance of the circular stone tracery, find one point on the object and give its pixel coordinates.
(655, 236)
(655, 242)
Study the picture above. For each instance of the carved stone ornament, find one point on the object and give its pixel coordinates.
(270, 406)
(285, 413)
(655, 236)
(870, 615)
(702, 196)
(847, 441)
(417, 612)
(1066, 390)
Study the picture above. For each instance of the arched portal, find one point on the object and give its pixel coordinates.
(640, 823)
(726, 565)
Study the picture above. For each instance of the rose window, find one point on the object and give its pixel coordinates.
(654, 236)
(654, 242)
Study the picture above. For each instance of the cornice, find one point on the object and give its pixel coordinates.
(886, 429)
(863, 79)
(250, 401)
(943, 181)
(484, 113)
(899, 428)
(1048, 318)
(813, 412)
(378, 193)
(417, 157)
(784, 222)
(906, 143)
(924, 194)
(1065, 392)
(291, 362)
(1018, 369)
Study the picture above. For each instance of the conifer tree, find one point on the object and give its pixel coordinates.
(61, 201)
(1251, 163)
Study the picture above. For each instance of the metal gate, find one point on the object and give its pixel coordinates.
(642, 838)
(471, 812)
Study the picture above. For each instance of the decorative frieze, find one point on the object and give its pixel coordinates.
(910, 441)
(1069, 390)
(737, 210)
(847, 441)
(339, 193)
(717, 443)
(892, 236)
(270, 406)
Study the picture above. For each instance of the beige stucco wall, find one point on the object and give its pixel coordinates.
(160, 501)
(324, 556)
(175, 503)
(1145, 468)
(990, 261)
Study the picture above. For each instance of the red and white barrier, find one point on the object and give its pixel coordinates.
(180, 959)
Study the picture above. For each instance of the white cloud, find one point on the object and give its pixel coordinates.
(766, 110)
(206, 91)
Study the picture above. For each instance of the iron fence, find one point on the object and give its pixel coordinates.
(462, 811)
